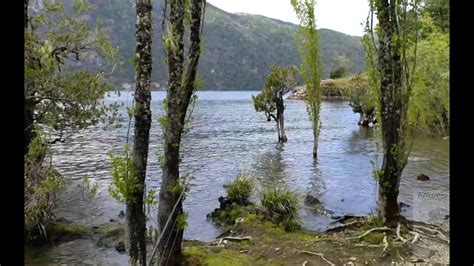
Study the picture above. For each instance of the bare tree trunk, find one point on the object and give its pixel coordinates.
(282, 128)
(392, 105)
(281, 123)
(315, 142)
(180, 89)
(136, 218)
(277, 120)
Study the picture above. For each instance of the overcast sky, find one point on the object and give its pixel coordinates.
(341, 15)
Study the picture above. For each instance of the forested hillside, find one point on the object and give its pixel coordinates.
(238, 48)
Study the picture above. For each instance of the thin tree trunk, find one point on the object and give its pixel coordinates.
(282, 128)
(180, 89)
(136, 219)
(315, 142)
(280, 122)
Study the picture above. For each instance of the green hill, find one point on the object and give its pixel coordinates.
(239, 48)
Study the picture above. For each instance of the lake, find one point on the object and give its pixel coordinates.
(227, 136)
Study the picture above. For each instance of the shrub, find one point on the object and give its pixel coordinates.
(240, 189)
(337, 73)
(42, 185)
(281, 205)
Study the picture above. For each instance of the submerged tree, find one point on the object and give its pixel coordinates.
(60, 97)
(181, 86)
(308, 45)
(136, 218)
(362, 101)
(279, 82)
(391, 77)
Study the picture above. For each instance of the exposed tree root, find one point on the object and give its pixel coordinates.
(368, 245)
(343, 226)
(370, 231)
(317, 254)
(435, 231)
(385, 247)
(398, 234)
(416, 237)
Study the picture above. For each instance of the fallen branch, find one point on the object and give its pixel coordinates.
(231, 238)
(317, 254)
(337, 228)
(370, 231)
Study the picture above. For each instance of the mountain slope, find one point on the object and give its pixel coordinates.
(238, 48)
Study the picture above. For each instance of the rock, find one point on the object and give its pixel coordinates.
(423, 177)
(403, 204)
(310, 200)
(120, 247)
(112, 220)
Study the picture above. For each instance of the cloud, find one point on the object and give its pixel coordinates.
(341, 15)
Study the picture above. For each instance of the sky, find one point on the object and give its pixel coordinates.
(344, 16)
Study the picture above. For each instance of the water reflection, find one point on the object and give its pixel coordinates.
(270, 167)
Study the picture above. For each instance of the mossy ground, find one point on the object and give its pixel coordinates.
(272, 245)
(59, 231)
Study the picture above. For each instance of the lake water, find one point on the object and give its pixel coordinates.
(227, 136)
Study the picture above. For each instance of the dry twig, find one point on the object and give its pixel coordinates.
(317, 254)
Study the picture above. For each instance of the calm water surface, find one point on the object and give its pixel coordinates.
(228, 136)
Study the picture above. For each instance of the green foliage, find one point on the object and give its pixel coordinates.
(282, 205)
(307, 41)
(280, 81)
(439, 11)
(240, 189)
(430, 101)
(182, 221)
(231, 213)
(63, 84)
(124, 180)
(42, 185)
(151, 197)
(337, 73)
(361, 96)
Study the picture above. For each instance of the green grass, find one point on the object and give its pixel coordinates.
(282, 205)
(240, 189)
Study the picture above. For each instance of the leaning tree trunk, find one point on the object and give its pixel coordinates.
(393, 104)
(181, 86)
(136, 219)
